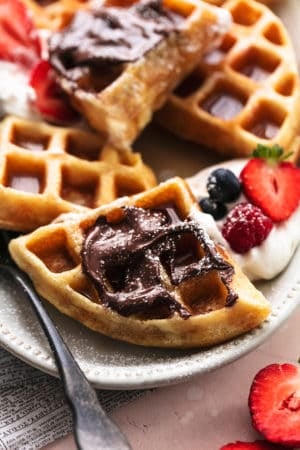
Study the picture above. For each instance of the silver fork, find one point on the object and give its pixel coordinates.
(93, 429)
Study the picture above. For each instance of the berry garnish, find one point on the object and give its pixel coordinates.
(246, 226)
(19, 41)
(223, 186)
(50, 100)
(274, 403)
(216, 209)
(272, 183)
(256, 445)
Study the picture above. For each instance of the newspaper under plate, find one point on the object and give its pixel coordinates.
(33, 409)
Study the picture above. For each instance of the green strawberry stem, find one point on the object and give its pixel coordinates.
(272, 154)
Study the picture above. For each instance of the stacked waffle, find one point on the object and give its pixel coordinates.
(57, 14)
(131, 259)
(119, 91)
(245, 92)
(47, 170)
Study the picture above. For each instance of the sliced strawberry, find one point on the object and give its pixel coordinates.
(271, 183)
(256, 445)
(50, 101)
(19, 41)
(274, 403)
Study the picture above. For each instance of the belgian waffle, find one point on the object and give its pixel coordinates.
(54, 15)
(244, 93)
(47, 170)
(206, 308)
(120, 102)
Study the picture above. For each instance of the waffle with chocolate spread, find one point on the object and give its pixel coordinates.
(119, 63)
(245, 92)
(142, 269)
(54, 15)
(47, 170)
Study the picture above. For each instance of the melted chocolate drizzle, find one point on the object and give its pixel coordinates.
(110, 36)
(123, 260)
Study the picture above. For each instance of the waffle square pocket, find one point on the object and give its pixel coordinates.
(47, 170)
(243, 93)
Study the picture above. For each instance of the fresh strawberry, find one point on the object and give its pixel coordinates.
(50, 100)
(245, 227)
(19, 41)
(256, 445)
(274, 403)
(272, 183)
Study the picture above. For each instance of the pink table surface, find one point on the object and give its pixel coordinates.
(207, 411)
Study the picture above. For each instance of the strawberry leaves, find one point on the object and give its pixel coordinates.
(272, 154)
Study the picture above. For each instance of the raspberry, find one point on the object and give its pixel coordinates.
(246, 227)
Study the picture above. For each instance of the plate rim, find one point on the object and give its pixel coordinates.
(171, 372)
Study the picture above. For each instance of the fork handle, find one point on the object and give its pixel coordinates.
(93, 429)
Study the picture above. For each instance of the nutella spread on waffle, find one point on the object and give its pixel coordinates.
(125, 260)
(108, 36)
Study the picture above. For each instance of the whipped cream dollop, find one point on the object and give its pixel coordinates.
(15, 93)
(263, 262)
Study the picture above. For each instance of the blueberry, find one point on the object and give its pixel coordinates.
(216, 209)
(223, 186)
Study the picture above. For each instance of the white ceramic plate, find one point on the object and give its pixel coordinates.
(111, 364)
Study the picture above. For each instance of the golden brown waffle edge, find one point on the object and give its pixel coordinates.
(55, 15)
(221, 2)
(59, 13)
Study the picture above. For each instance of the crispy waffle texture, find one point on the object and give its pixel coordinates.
(244, 93)
(58, 14)
(47, 170)
(124, 104)
(221, 2)
(52, 256)
(54, 15)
